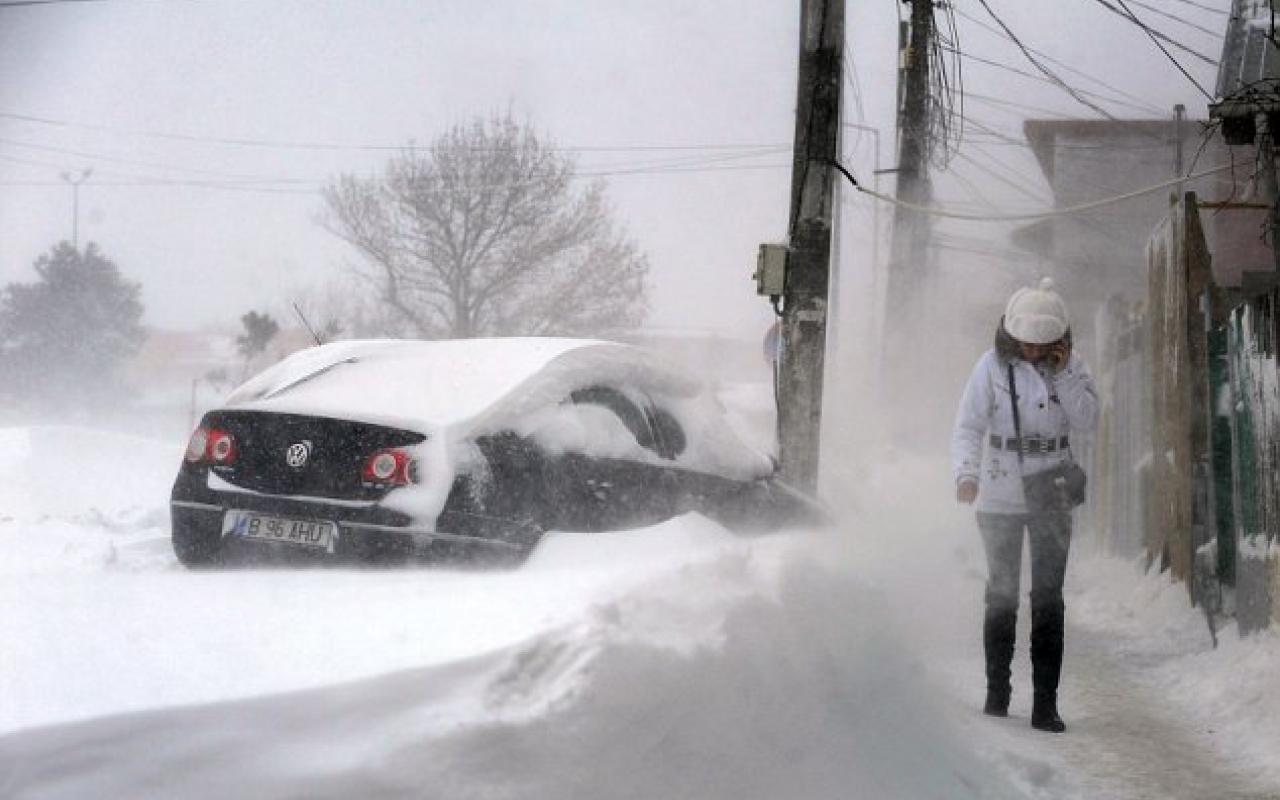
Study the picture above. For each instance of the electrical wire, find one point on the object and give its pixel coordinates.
(1027, 216)
(1167, 54)
(1048, 73)
(855, 85)
(17, 3)
(1147, 107)
(295, 145)
(1043, 56)
(1016, 185)
(1203, 7)
(134, 163)
(1001, 102)
(1000, 138)
(946, 95)
(1129, 16)
(312, 188)
(969, 186)
(1176, 18)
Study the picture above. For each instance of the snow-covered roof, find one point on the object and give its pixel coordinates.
(428, 384)
(455, 388)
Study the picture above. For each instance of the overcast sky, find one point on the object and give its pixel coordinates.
(224, 220)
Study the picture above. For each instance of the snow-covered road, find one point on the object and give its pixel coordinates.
(678, 661)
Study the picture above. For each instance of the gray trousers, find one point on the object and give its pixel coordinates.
(1049, 534)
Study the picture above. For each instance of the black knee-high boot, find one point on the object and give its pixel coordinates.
(999, 629)
(1047, 619)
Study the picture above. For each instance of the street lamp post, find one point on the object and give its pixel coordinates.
(75, 202)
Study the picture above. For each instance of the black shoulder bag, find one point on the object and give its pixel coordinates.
(1059, 488)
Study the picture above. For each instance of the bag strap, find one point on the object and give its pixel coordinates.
(1017, 422)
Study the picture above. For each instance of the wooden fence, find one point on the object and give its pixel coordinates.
(1187, 463)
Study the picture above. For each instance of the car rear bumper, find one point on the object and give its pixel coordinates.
(208, 517)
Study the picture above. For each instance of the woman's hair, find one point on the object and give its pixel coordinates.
(1006, 345)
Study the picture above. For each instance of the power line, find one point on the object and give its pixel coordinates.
(1203, 7)
(1047, 72)
(969, 187)
(1155, 34)
(1015, 185)
(1031, 75)
(1033, 215)
(16, 3)
(297, 145)
(999, 101)
(851, 74)
(1176, 18)
(312, 187)
(135, 163)
(998, 139)
(1156, 40)
(1056, 62)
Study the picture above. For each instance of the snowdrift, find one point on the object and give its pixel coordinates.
(755, 672)
(676, 661)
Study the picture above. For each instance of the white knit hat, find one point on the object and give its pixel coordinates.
(1036, 316)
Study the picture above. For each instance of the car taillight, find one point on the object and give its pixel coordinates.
(390, 467)
(211, 446)
(222, 448)
(196, 445)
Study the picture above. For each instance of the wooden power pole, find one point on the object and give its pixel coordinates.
(907, 273)
(909, 250)
(804, 310)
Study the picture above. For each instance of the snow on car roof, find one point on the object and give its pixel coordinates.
(431, 384)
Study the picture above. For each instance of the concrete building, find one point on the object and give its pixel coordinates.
(1102, 252)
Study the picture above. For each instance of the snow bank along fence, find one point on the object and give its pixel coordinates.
(1187, 467)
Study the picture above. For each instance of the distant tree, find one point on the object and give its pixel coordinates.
(218, 378)
(486, 233)
(64, 337)
(259, 330)
(341, 308)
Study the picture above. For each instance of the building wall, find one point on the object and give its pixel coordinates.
(1101, 252)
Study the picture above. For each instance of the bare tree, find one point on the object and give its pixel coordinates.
(339, 308)
(484, 233)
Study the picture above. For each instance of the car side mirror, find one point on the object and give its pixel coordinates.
(670, 436)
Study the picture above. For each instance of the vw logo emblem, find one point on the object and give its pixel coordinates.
(297, 454)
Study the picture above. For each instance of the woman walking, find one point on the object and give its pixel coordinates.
(1011, 450)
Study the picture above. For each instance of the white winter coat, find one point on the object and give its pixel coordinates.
(985, 410)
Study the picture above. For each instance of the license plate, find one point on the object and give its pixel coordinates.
(263, 527)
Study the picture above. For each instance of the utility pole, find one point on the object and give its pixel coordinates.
(1268, 182)
(805, 295)
(908, 266)
(75, 203)
(1179, 114)
(909, 252)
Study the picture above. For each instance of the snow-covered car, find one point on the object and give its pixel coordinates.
(386, 450)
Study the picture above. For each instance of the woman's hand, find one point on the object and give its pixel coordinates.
(966, 491)
(1059, 353)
